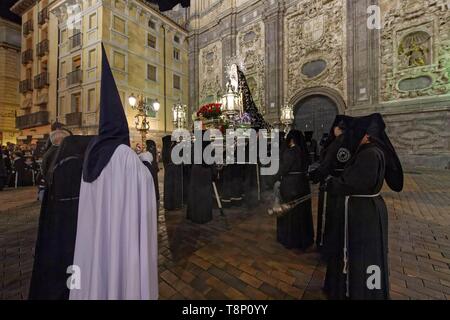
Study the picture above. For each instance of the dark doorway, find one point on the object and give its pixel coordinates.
(315, 113)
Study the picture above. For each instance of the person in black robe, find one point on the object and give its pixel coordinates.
(23, 171)
(295, 226)
(200, 202)
(334, 155)
(153, 166)
(3, 171)
(55, 243)
(363, 238)
(173, 177)
(313, 149)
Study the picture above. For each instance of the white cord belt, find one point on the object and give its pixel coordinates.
(346, 270)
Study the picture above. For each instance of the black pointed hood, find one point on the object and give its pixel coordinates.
(113, 126)
(374, 126)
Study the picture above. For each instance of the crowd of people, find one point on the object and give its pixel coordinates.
(19, 165)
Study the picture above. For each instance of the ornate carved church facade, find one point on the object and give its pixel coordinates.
(321, 57)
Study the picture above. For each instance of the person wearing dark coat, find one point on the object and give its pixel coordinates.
(55, 243)
(360, 270)
(334, 155)
(200, 202)
(295, 227)
(313, 148)
(173, 177)
(3, 172)
(23, 172)
(153, 166)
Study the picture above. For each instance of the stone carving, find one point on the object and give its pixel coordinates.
(250, 46)
(314, 32)
(210, 72)
(415, 45)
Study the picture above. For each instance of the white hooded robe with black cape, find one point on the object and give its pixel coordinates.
(116, 242)
(363, 238)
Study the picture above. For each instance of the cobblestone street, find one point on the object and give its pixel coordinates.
(237, 256)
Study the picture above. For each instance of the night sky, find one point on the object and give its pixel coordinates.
(7, 14)
(169, 4)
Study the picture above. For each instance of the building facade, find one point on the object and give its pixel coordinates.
(327, 57)
(36, 104)
(147, 50)
(9, 79)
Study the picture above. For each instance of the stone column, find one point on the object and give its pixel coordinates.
(362, 55)
(274, 54)
(193, 74)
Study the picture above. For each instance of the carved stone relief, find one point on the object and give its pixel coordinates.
(250, 46)
(415, 50)
(210, 75)
(314, 39)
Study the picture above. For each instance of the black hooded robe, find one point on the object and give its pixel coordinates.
(55, 243)
(153, 167)
(173, 178)
(367, 228)
(295, 229)
(3, 172)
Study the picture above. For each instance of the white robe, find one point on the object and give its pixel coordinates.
(116, 245)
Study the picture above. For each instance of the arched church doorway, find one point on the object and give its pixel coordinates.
(315, 113)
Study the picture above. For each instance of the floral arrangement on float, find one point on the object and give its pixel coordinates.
(210, 111)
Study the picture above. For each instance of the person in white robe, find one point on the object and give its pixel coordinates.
(116, 249)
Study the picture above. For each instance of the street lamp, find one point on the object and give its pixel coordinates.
(141, 119)
(179, 115)
(287, 117)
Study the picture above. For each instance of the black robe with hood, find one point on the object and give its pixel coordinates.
(367, 222)
(295, 228)
(55, 243)
(173, 177)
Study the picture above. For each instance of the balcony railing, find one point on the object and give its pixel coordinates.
(42, 48)
(74, 77)
(74, 119)
(32, 120)
(43, 16)
(27, 56)
(41, 80)
(27, 27)
(75, 40)
(25, 86)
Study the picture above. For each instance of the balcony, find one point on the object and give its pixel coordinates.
(25, 86)
(74, 78)
(41, 80)
(43, 16)
(27, 28)
(42, 48)
(32, 120)
(27, 56)
(75, 41)
(74, 119)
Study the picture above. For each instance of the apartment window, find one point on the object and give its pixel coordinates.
(62, 103)
(91, 100)
(151, 72)
(93, 21)
(119, 61)
(76, 63)
(176, 54)
(63, 35)
(176, 39)
(63, 70)
(151, 41)
(118, 24)
(151, 24)
(176, 82)
(92, 58)
(75, 105)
